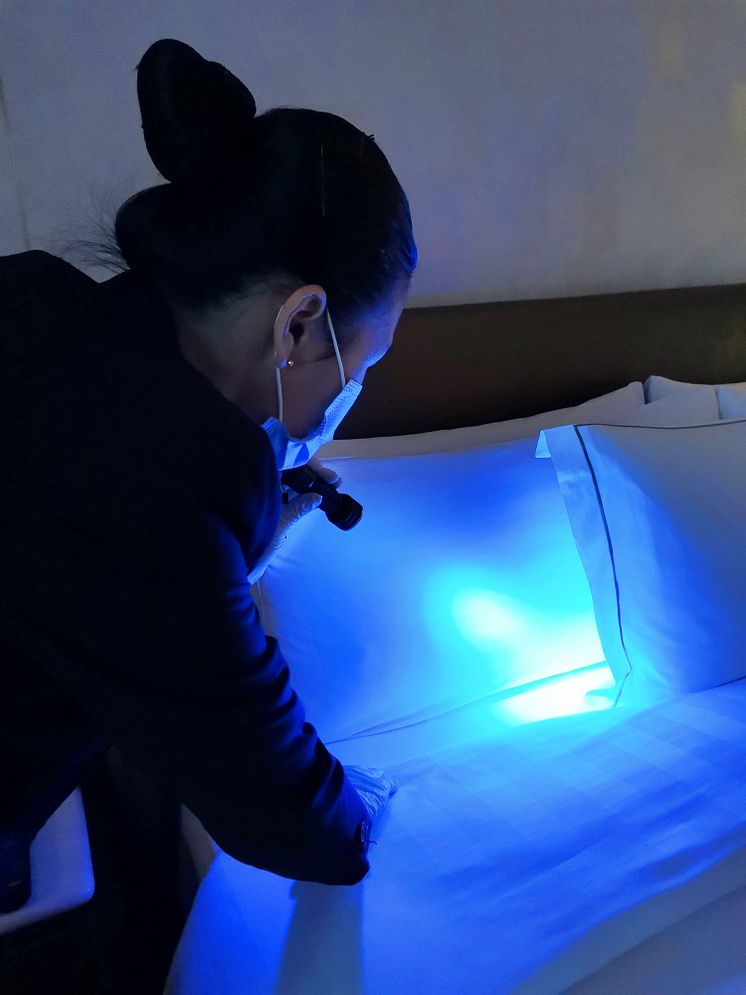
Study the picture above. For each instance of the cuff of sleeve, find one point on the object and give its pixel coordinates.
(362, 835)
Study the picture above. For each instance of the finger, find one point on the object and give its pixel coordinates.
(325, 472)
(385, 778)
(330, 476)
(301, 506)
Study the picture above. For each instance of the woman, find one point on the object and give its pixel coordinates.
(147, 421)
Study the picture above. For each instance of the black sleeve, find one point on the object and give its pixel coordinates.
(152, 628)
(209, 710)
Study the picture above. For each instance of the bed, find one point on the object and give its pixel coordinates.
(558, 826)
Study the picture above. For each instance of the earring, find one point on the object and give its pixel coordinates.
(290, 361)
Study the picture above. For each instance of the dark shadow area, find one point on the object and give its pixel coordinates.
(122, 941)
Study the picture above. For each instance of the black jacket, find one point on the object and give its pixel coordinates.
(134, 498)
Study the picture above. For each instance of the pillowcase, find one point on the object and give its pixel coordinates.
(461, 580)
(690, 407)
(657, 388)
(659, 516)
(732, 402)
(453, 439)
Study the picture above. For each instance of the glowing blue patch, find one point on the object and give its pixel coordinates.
(484, 619)
(568, 694)
(493, 633)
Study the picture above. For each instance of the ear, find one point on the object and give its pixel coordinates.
(307, 302)
(282, 338)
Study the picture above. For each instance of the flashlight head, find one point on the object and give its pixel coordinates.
(340, 509)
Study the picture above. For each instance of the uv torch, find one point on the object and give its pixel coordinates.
(341, 510)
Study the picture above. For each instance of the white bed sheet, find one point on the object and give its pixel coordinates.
(520, 862)
(702, 954)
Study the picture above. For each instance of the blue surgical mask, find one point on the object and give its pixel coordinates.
(290, 452)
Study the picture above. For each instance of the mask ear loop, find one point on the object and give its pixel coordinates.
(279, 391)
(278, 382)
(336, 348)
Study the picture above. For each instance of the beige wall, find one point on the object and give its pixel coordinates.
(12, 236)
(548, 147)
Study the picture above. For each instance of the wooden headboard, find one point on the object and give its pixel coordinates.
(471, 364)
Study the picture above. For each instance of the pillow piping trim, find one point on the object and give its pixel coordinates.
(613, 561)
(657, 428)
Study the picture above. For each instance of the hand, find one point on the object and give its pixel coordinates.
(292, 512)
(374, 787)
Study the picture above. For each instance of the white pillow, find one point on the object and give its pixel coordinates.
(690, 407)
(462, 579)
(732, 402)
(657, 388)
(453, 439)
(659, 516)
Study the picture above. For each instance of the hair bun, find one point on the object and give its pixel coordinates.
(196, 115)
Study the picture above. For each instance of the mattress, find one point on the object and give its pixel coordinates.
(521, 859)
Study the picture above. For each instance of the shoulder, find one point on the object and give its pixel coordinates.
(255, 487)
(39, 283)
(37, 269)
(170, 432)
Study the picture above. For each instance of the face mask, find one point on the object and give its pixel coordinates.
(290, 452)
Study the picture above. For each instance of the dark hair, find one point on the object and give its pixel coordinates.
(292, 196)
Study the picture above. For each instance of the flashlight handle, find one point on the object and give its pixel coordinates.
(303, 480)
